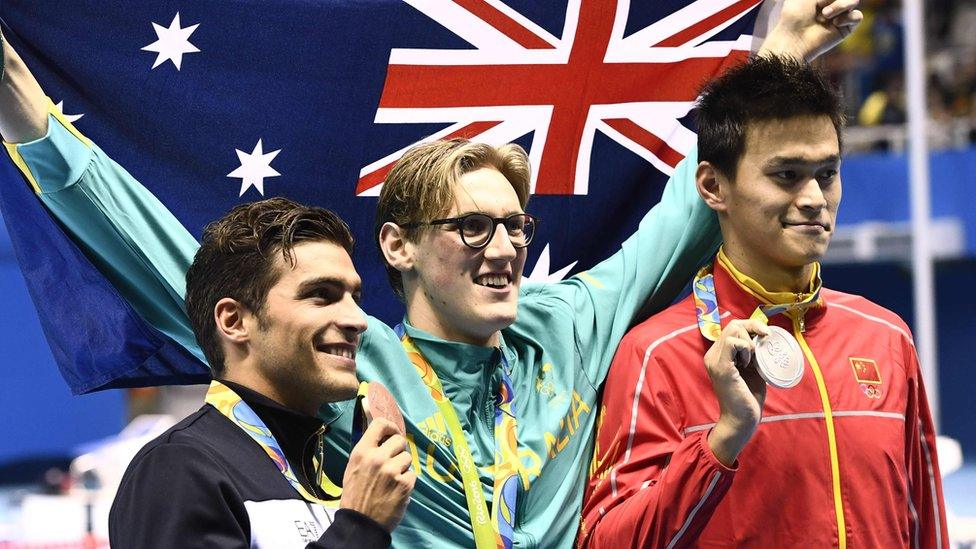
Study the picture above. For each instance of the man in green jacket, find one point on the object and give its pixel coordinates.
(497, 378)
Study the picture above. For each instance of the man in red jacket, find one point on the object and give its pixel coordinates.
(843, 457)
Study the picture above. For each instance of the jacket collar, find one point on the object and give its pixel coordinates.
(741, 295)
(468, 373)
(293, 430)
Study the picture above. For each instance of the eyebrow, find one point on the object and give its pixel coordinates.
(794, 160)
(308, 287)
(510, 212)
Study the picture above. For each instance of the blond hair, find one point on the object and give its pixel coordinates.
(420, 187)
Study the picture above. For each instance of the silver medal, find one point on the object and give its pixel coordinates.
(779, 358)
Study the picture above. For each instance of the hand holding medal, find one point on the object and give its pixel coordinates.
(378, 479)
(739, 388)
(375, 401)
(778, 357)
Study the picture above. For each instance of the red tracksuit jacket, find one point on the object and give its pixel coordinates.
(844, 459)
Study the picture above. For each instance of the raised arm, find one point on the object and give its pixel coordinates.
(133, 240)
(23, 105)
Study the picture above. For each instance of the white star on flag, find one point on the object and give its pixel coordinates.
(69, 117)
(172, 43)
(254, 168)
(540, 273)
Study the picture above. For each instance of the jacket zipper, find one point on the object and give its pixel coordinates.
(315, 481)
(799, 326)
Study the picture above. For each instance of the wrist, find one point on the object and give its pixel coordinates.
(782, 44)
(728, 438)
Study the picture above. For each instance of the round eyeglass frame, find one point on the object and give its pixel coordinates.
(495, 221)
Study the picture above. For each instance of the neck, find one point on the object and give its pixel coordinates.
(289, 398)
(421, 315)
(773, 278)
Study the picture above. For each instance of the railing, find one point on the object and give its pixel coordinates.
(955, 133)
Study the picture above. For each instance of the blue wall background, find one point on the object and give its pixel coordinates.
(876, 189)
(39, 416)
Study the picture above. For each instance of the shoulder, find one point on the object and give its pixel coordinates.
(190, 444)
(378, 337)
(673, 328)
(178, 489)
(867, 314)
(656, 355)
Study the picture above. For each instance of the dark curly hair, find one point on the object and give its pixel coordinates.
(236, 260)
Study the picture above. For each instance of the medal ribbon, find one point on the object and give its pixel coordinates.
(228, 403)
(499, 530)
(706, 305)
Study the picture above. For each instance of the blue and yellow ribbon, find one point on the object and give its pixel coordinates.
(706, 304)
(230, 404)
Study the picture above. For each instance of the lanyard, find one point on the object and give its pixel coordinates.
(706, 304)
(228, 403)
(498, 531)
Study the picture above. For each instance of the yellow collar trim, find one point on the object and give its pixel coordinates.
(762, 294)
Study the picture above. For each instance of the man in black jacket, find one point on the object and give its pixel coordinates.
(273, 297)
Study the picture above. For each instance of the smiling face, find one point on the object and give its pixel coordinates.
(779, 212)
(303, 342)
(459, 293)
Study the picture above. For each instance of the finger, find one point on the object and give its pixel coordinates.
(379, 430)
(848, 21)
(407, 479)
(400, 462)
(737, 328)
(755, 383)
(738, 351)
(756, 327)
(838, 7)
(747, 327)
(393, 445)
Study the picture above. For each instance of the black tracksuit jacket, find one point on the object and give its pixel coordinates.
(206, 483)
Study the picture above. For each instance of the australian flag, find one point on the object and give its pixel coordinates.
(210, 103)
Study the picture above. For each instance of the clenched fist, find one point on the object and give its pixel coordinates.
(737, 385)
(378, 479)
(807, 29)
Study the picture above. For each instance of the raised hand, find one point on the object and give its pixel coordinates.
(737, 385)
(378, 479)
(808, 28)
(23, 105)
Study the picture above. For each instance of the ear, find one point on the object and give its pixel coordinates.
(397, 250)
(711, 185)
(233, 321)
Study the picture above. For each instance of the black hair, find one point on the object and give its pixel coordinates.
(762, 89)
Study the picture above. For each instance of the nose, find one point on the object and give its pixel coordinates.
(811, 196)
(500, 247)
(350, 318)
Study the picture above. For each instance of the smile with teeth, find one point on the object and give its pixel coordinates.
(338, 350)
(493, 280)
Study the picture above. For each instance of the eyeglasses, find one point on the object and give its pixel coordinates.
(477, 229)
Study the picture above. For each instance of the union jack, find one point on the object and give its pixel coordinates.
(519, 78)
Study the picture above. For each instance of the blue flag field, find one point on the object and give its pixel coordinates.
(213, 103)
